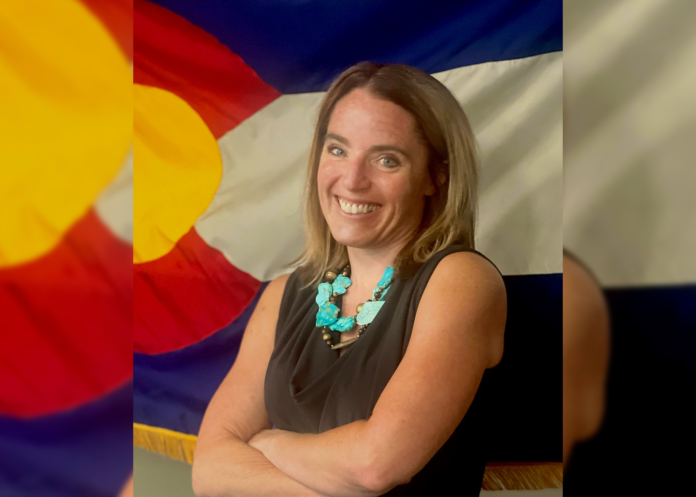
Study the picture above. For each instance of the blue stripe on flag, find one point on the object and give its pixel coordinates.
(301, 46)
(87, 450)
(525, 391)
(172, 390)
(662, 318)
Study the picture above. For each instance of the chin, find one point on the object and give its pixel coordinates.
(352, 240)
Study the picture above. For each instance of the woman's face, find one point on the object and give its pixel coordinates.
(372, 176)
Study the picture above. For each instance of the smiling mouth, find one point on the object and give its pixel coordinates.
(357, 209)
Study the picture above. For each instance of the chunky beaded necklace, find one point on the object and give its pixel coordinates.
(327, 316)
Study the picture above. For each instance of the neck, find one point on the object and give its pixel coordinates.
(367, 265)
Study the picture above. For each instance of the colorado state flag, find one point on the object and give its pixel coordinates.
(225, 101)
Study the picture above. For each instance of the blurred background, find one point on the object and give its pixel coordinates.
(215, 91)
(629, 219)
(66, 218)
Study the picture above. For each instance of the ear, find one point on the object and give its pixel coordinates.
(440, 177)
(430, 188)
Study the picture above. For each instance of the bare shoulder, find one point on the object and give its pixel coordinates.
(466, 293)
(586, 322)
(582, 292)
(274, 290)
(473, 264)
(464, 271)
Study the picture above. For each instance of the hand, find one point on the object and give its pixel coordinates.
(261, 440)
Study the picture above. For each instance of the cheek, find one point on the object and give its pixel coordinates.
(326, 172)
(323, 178)
(401, 191)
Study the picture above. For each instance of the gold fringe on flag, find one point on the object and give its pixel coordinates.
(522, 476)
(179, 446)
(498, 475)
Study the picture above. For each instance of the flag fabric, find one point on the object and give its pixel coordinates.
(225, 102)
(65, 248)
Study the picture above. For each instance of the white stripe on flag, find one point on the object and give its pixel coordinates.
(516, 111)
(515, 108)
(629, 203)
(114, 206)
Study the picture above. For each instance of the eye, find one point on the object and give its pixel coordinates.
(337, 151)
(389, 161)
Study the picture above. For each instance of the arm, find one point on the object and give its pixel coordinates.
(457, 334)
(586, 338)
(224, 464)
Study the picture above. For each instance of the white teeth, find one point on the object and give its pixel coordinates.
(356, 208)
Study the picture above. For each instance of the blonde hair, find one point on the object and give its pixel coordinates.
(449, 214)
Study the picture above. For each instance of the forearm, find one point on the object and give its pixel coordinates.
(338, 462)
(230, 467)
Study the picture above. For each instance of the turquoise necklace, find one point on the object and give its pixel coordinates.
(328, 314)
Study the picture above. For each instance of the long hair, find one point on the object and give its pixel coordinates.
(449, 214)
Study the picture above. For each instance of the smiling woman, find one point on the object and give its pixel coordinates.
(380, 400)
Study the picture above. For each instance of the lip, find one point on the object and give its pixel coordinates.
(336, 198)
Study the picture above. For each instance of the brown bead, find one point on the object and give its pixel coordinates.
(359, 308)
(326, 337)
(330, 275)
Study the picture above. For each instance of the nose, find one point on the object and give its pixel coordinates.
(356, 175)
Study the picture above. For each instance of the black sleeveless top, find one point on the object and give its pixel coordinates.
(309, 388)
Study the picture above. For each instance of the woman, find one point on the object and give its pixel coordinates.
(373, 403)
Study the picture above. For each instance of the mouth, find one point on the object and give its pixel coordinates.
(355, 208)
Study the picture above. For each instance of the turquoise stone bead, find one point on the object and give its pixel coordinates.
(328, 314)
(323, 294)
(386, 277)
(340, 284)
(343, 324)
(368, 312)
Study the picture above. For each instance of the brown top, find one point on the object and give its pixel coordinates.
(310, 388)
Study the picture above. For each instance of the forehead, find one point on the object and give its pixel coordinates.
(365, 119)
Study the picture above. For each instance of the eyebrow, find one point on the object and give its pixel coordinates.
(375, 148)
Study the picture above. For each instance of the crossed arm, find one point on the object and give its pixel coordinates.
(458, 333)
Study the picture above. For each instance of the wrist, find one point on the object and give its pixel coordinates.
(263, 441)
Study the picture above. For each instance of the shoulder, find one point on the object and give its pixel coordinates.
(466, 292)
(461, 271)
(277, 285)
(585, 312)
(581, 288)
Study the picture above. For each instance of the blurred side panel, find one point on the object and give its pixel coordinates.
(66, 281)
(630, 218)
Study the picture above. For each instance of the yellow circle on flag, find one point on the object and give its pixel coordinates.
(65, 123)
(177, 170)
